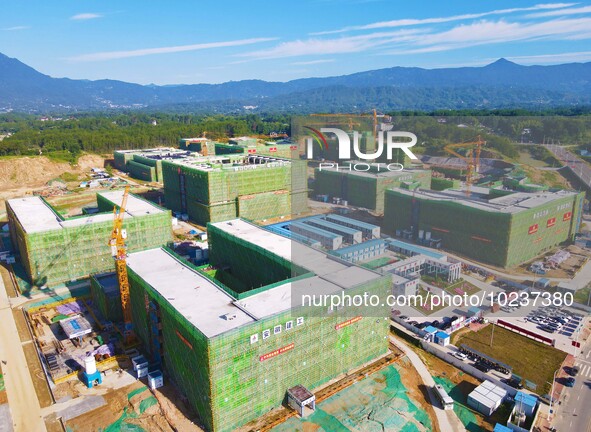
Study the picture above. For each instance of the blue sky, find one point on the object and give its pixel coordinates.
(172, 42)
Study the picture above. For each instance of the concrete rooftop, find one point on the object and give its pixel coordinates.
(206, 305)
(35, 215)
(513, 203)
(199, 300)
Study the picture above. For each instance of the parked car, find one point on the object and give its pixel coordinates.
(513, 383)
(572, 370)
(460, 355)
(546, 329)
(403, 317)
(482, 367)
(570, 382)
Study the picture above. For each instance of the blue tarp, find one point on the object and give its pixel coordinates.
(431, 329)
(500, 428)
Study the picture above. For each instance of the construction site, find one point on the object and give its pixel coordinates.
(494, 226)
(146, 164)
(54, 249)
(216, 188)
(283, 148)
(365, 188)
(227, 333)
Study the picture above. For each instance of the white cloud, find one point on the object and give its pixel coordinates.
(491, 32)
(562, 12)
(438, 20)
(340, 45)
(312, 62)
(112, 55)
(85, 16)
(580, 56)
(16, 28)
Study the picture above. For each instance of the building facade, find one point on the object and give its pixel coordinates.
(366, 188)
(54, 250)
(497, 227)
(146, 164)
(235, 349)
(217, 188)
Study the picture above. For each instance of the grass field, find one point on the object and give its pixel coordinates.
(466, 287)
(532, 360)
(426, 300)
(582, 295)
(525, 157)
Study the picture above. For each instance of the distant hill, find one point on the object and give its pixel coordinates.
(500, 84)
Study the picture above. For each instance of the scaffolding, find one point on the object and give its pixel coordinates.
(484, 231)
(365, 189)
(237, 375)
(104, 289)
(74, 248)
(221, 191)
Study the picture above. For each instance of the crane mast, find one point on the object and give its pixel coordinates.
(119, 253)
(472, 159)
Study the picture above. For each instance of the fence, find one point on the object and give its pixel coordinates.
(525, 332)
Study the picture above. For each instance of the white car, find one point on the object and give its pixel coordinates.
(460, 355)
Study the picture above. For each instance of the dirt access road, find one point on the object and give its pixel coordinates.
(22, 398)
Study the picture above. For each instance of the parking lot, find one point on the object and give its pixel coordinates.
(564, 325)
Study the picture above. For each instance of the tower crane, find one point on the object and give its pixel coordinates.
(119, 253)
(472, 159)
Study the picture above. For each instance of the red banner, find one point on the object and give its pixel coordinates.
(276, 352)
(567, 216)
(273, 149)
(185, 341)
(252, 150)
(348, 322)
(533, 229)
(551, 222)
(293, 147)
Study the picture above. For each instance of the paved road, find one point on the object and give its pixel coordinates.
(573, 414)
(447, 419)
(22, 399)
(578, 166)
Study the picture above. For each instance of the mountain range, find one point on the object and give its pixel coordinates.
(501, 84)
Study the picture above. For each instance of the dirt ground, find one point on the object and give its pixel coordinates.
(37, 374)
(20, 175)
(567, 269)
(161, 410)
(466, 383)
(417, 390)
(126, 405)
(176, 411)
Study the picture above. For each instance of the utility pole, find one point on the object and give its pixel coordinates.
(552, 394)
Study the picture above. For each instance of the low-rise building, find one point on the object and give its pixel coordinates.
(486, 398)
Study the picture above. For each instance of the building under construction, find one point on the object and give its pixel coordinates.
(217, 188)
(202, 145)
(235, 337)
(366, 188)
(494, 226)
(246, 145)
(54, 249)
(146, 164)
